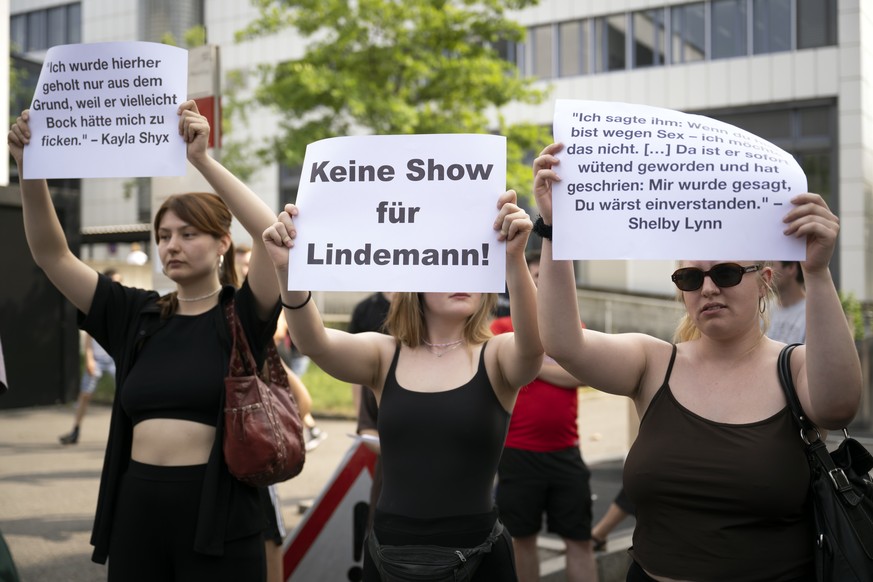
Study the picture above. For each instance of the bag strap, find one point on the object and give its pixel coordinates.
(787, 382)
(817, 449)
(239, 346)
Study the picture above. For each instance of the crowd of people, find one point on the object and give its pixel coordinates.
(459, 400)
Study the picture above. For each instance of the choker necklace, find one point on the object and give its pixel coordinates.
(201, 298)
(449, 346)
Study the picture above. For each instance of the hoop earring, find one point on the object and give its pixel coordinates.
(220, 262)
(762, 305)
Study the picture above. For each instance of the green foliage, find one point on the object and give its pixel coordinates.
(388, 67)
(191, 38)
(329, 395)
(854, 314)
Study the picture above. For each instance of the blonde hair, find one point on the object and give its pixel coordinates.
(686, 330)
(406, 322)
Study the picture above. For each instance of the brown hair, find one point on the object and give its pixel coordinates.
(686, 330)
(209, 214)
(405, 319)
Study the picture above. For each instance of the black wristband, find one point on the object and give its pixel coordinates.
(285, 305)
(542, 229)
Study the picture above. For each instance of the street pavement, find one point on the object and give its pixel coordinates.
(48, 492)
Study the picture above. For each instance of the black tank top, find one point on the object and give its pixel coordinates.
(718, 502)
(440, 450)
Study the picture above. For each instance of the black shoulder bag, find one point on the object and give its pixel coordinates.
(842, 495)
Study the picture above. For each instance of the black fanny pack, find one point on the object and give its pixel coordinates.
(429, 563)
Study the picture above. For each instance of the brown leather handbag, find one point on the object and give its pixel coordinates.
(263, 433)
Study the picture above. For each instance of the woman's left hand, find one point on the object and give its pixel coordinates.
(279, 237)
(812, 219)
(194, 129)
(513, 223)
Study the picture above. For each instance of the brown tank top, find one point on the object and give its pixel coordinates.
(718, 502)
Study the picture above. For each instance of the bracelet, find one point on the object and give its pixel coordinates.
(542, 229)
(286, 306)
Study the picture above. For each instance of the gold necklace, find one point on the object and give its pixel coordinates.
(201, 298)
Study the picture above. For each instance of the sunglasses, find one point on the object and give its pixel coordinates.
(723, 275)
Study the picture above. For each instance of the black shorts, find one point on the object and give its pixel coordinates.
(555, 483)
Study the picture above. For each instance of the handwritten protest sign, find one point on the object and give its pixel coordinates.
(108, 110)
(640, 182)
(400, 213)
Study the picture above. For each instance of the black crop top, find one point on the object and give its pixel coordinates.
(172, 377)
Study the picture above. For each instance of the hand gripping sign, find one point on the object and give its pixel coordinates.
(640, 182)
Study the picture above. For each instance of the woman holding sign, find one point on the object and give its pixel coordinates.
(718, 474)
(168, 509)
(445, 389)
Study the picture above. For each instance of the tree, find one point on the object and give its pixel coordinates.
(396, 67)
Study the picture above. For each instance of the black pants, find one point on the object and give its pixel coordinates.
(456, 532)
(154, 526)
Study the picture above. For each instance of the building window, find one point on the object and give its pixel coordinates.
(39, 30)
(772, 26)
(816, 23)
(573, 48)
(541, 51)
(649, 38)
(610, 34)
(729, 29)
(688, 32)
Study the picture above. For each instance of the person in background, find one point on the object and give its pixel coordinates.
(312, 433)
(788, 321)
(167, 507)
(445, 390)
(97, 363)
(370, 314)
(542, 471)
(714, 426)
(619, 510)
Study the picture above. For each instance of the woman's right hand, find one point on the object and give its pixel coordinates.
(279, 237)
(19, 136)
(544, 175)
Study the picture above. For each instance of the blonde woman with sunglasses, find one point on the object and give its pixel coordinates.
(718, 474)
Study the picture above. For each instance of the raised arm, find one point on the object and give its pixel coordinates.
(354, 358)
(252, 212)
(519, 354)
(612, 363)
(74, 279)
(828, 375)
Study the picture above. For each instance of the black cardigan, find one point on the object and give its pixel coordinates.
(122, 319)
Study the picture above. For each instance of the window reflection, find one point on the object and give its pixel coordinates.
(688, 42)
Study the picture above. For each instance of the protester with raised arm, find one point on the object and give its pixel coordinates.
(718, 474)
(445, 389)
(168, 509)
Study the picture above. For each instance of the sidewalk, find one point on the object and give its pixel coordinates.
(48, 492)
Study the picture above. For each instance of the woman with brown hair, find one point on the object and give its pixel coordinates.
(445, 389)
(168, 509)
(717, 473)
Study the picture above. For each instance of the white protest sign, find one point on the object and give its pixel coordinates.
(400, 213)
(108, 110)
(640, 182)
